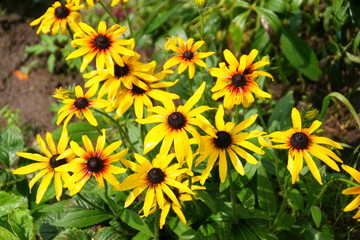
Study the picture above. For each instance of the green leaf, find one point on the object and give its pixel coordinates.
(342, 99)
(260, 230)
(316, 215)
(82, 218)
(275, 6)
(286, 222)
(161, 17)
(141, 236)
(300, 55)
(77, 129)
(133, 219)
(355, 11)
(9, 202)
(184, 231)
(280, 116)
(51, 62)
(265, 192)
(47, 231)
(296, 200)
(237, 28)
(243, 233)
(21, 223)
(270, 18)
(247, 198)
(11, 141)
(7, 235)
(207, 199)
(108, 233)
(71, 234)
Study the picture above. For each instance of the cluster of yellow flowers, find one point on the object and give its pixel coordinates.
(125, 81)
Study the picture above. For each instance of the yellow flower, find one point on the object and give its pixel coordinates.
(187, 57)
(157, 177)
(353, 190)
(301, 143)
(105, 44)
(170, 41)
(57, 17)
(132, 72)
(80, 106)
(173, 127)
(114, 2)
(236, 82)
(48, 164)
(226, 138)
(140, 95)
(95, 162)
(61, 93)
(311, 114)
(199, 2)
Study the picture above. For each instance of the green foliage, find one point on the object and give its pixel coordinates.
(11, 141)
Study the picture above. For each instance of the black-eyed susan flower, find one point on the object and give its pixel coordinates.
(141, 96)
(354, 204)
(188, 56)
(105, 44)
(95, 162)
(130, 73)
(48, 164)
(236, 82)
(61, 93)
(80, 106)
(301, 143)
(58, 16)
(173, 127)
(157, 177)
(226, 139)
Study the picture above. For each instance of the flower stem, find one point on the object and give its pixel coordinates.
(264, 125)
(128, 20)
(157, 224)
(92, 204)
(233, 198)
(108, 12)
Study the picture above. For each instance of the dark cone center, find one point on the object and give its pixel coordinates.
(102, 42)
(55, 163)
(81, 103)
(95, 164)
(155, 176)
(188, 55)
(137, 90)
(299, 140)
(121, 71)
(62, 12)
(238, 80)
(176, 120)
(223, 139)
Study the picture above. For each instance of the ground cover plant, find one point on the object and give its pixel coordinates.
(194, 120)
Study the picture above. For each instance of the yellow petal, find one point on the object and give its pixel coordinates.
(43, 186)
(312, 166)
(296, 119)
(230, 58)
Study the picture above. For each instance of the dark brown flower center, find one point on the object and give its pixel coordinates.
(95, 164)
(55, 163)
(176, 193)
(223, 139)
(137, 90)
(62, 12)
(155, 176)
(102, 42)
(188, 55)
(299, 140)
(176, 120)
(121, 71)
(238, 80)
(81, 103)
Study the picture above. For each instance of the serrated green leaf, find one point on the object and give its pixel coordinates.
(71, 234)
(7, 235)
(21, 223)
(300, 55)
(82, 218)
(316, 215)
(9, 202)
(133, 219)
(265, 192)
(11, 141)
